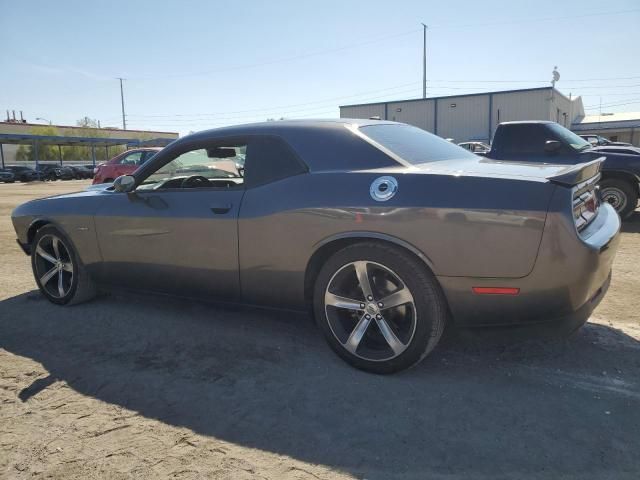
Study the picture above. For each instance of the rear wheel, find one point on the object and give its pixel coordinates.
(378, 307)
(620, 194)
(60, 276)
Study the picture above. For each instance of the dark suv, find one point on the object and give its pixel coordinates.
(23, 173)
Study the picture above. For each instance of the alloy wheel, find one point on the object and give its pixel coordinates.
(370, 310)
(53, 266)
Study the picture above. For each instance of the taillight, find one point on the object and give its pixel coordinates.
(585, 203)
(95, 170)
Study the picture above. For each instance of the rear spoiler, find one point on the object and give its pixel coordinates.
(575, 174)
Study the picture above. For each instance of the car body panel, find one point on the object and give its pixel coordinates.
(449, 233)
(473, 221)
(143, 233)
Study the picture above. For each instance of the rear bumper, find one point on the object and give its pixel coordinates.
(570, 277)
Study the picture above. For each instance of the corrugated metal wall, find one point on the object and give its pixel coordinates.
(474, 117)
(513, 106)
(561, 110)
(464, 118)
(363, 111)
(420, 113)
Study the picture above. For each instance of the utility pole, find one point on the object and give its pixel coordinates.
(424, 60)
(124, 121)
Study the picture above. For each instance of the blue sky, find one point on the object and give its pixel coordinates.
(192, 65)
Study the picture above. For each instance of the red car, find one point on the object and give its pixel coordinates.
(124, 164)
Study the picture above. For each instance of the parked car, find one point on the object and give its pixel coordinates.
(23, 173)
(81, 172)
(123, 164)
(7, 176)
(479, 148)
(46, 172)
(50, 172)
(597, 140)
(386, 232)
(550, 143)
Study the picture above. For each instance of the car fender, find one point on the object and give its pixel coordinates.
(623, 174)
(363, 234)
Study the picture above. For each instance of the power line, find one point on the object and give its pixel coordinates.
(535, 20)
(287, 109)
(373, 41)
(607, 105)
(282, 60)
(296, 104)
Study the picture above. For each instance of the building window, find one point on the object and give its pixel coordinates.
(613, 138)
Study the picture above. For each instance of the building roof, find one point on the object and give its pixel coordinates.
(454, 96)
(62, 140)
(77, 127)
(608, 121)
(611, 117)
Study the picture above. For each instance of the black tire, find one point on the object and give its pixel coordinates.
(620, 194)
(80, 286)
(429, 307)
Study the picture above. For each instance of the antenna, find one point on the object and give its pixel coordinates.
(555, 76)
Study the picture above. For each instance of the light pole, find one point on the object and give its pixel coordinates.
(43, 120)
(424, 60)
(124, 121)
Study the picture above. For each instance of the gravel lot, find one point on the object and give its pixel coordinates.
(146, 387)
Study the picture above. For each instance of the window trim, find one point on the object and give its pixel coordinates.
(172, 152)
(161, 160)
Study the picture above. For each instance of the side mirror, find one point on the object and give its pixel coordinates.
(552, 146)
(124, 184)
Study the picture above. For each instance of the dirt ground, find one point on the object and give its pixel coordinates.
(146, 387)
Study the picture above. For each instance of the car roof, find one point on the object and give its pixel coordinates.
(520, 122)
(283, 126)
(324, 144)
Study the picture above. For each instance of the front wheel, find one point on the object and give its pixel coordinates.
(379, 308)
(57, 269)
(620, 194)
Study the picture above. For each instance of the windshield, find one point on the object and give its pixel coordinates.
(413, 144)
(568, 137)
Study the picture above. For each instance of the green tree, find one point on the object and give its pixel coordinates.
(45, 152)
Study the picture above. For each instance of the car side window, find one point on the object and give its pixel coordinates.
(147, 156)
(524, 139)
(215, 166)
(270, 158)
(132, 159)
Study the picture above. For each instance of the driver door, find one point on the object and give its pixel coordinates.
(177, 231)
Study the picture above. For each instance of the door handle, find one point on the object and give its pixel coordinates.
(220, 209)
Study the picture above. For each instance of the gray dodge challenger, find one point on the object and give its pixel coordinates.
(382, 230)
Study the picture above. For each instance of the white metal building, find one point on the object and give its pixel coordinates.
(618, 127)
(474, 116)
